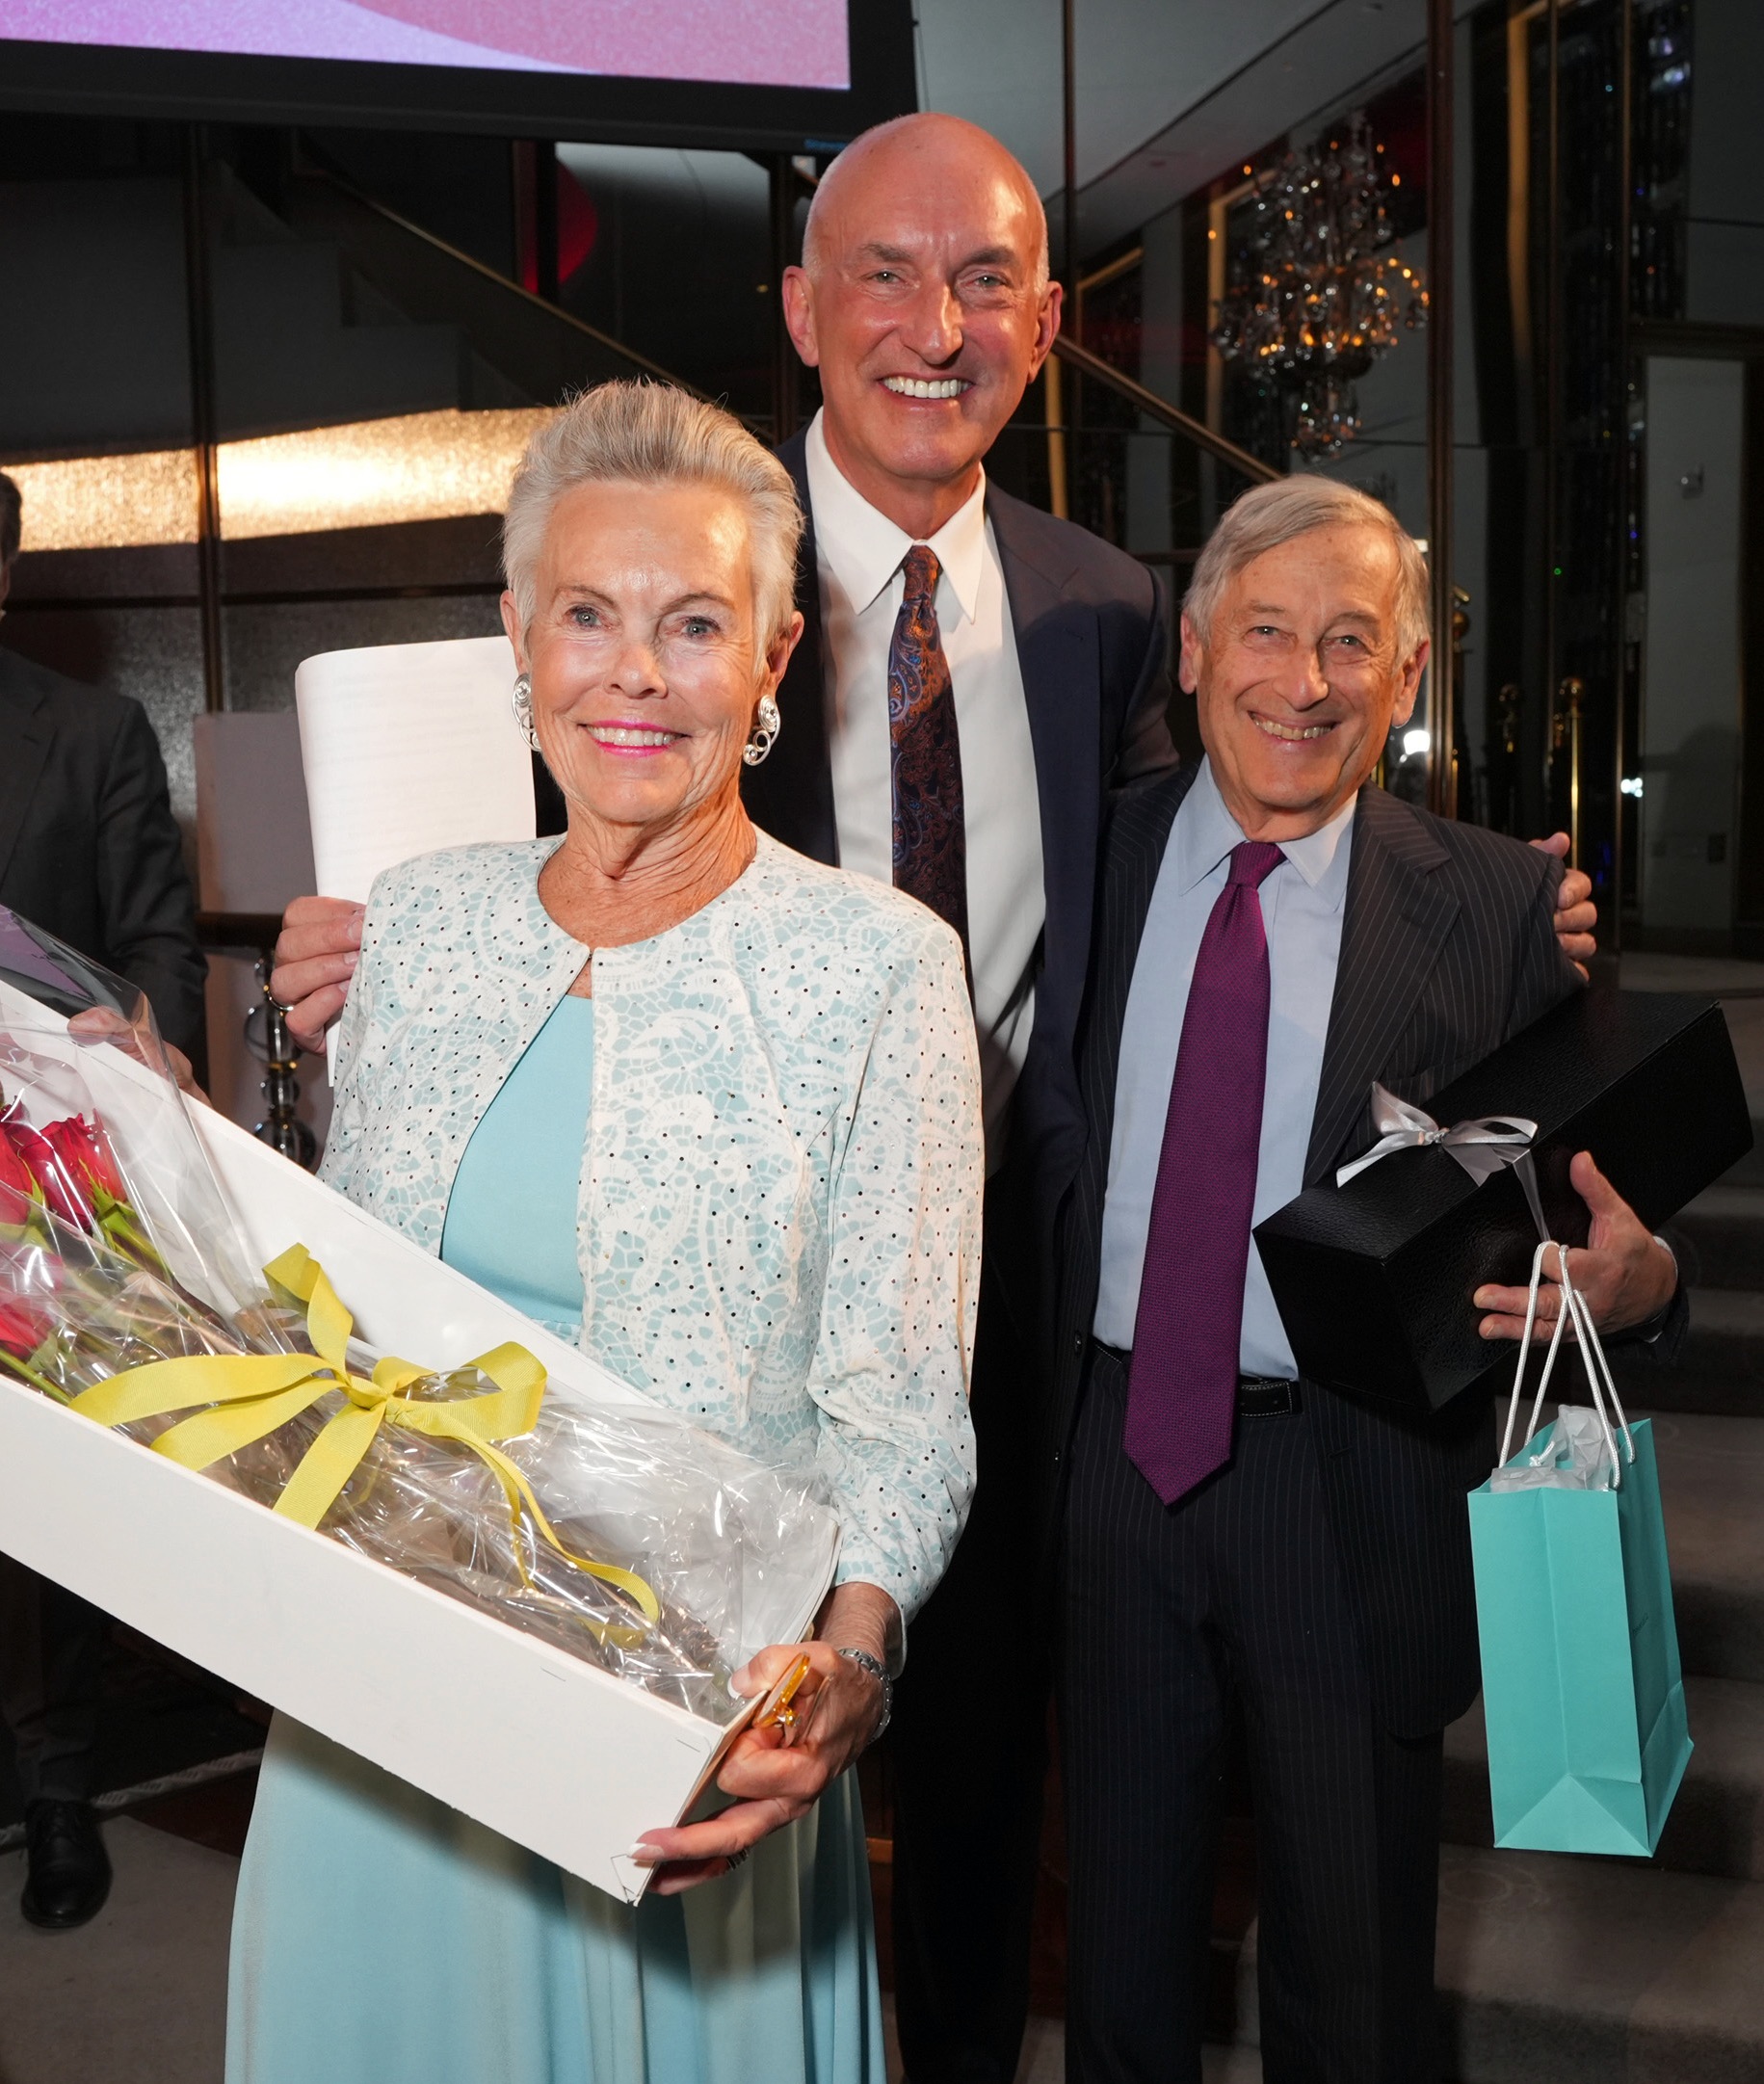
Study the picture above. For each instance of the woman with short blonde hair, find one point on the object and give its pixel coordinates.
(712, 1111)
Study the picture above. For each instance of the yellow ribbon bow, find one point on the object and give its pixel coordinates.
(253, 1394)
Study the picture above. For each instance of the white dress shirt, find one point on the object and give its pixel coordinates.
(1303, 903)
(858, 553)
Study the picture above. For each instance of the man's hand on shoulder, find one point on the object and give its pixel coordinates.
(1576, 914)
(316, 953)
(1625, 1275)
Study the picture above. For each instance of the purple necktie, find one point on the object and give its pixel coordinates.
(1182, 1381)
(930, 831)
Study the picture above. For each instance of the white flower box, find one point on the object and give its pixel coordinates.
(551, 1752)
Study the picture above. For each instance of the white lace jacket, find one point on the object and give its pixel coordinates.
(780, 1216)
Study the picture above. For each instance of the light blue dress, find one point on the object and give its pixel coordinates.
(382, 1937)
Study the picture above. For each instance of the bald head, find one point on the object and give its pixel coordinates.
(924, 302)
(908, 155)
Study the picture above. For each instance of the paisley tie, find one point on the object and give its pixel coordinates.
(930, 836)
(1182, 1378)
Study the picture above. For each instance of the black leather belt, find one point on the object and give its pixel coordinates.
(1267, 1396)
(1258, 1396)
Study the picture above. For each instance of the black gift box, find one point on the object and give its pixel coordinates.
(1374, 1279)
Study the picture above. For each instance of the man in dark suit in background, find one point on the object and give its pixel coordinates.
(1275, 934)
(925, 303)
(89, 850)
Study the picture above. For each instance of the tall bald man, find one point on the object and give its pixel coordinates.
(973, 679)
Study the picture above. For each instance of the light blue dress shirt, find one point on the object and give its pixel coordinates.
(1302, 912)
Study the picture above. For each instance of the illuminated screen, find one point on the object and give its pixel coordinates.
(799, 43)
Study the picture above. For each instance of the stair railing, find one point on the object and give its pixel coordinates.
(1154, 407)
(312, 170)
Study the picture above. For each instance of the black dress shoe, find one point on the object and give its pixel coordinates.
(66, 1868)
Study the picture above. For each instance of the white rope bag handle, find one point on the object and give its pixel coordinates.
(1575, 1306)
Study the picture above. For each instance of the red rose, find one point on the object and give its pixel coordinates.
(87, 1157)
(15, 1178)
(64, 1188)
(23, 1329)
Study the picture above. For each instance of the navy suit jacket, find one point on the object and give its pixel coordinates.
(1092, 642)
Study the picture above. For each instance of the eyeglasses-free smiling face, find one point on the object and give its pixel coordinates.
(924, 307)
(1300, 679)
(642, 649)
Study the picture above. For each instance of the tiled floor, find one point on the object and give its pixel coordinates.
(139, 1995)
(1045, 2056)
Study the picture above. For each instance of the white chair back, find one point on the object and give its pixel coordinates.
(408, 748)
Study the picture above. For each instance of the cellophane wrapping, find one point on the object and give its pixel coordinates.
(118, 1247)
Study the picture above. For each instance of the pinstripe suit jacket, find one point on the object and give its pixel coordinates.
(1448, 947)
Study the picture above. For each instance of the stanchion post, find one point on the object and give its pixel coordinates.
(280, 1129)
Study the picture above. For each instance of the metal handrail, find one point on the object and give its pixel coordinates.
(313, 171)
(1155, 408)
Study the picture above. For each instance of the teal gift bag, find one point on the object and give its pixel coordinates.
(1581, 1684)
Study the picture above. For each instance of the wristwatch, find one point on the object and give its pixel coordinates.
(879, 1671)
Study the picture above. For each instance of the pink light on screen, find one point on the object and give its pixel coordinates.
(738, 42)
(702, 40)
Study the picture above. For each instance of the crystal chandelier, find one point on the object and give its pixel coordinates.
(1314, 299)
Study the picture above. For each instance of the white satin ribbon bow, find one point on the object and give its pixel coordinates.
(1482, 1144)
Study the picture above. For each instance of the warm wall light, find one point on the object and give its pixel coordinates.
(108, 502)
(425, 466)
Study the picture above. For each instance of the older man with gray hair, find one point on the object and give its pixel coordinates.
(1247, 1555)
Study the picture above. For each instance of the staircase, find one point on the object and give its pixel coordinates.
(303, 337)
(1590, 1970)
(519, 344)
(1564, 1969)
(304, 333)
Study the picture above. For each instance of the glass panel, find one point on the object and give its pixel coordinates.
(267, 639)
